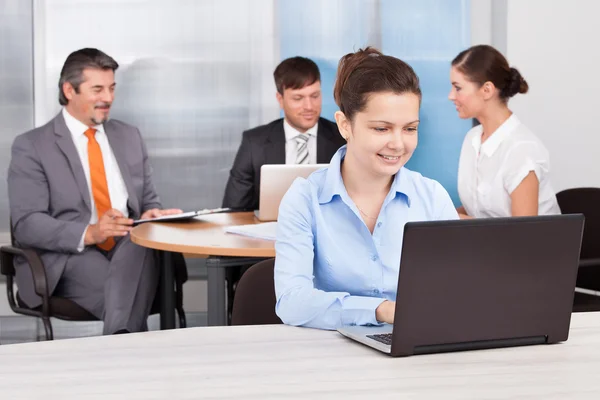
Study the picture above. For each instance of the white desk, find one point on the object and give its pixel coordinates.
(285, 362)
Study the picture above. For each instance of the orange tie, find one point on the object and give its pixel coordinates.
(99, 184)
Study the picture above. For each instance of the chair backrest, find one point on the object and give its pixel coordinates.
(12, 233)
(254, 301)
(587, 202)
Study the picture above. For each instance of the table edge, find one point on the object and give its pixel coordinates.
(202, 250)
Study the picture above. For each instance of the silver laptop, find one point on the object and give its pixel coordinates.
(275, 180)
(480, 284)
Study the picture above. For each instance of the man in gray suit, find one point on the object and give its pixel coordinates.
(75, 186)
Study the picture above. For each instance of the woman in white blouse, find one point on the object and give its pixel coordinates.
(504, 168)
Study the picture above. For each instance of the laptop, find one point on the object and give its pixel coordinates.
(481, 283)
(275, 180)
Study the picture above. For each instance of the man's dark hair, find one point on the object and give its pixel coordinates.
(72, 70)
(295, 73)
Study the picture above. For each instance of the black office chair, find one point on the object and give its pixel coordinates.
(254, 302)
(61, 308)
(587, 202)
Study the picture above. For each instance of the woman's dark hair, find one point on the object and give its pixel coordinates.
(483, 63)
(369, 71)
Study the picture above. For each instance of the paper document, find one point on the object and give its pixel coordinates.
(266, 230)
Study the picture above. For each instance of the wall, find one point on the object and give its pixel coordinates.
(559, 57)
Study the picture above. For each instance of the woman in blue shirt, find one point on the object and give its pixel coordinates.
(340, 231)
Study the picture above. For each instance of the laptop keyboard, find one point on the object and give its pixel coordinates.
(385, 338)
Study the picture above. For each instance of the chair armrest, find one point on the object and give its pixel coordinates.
(36, 266)
(589, 262)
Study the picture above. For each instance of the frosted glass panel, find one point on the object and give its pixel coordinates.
(324, 31)
(16, 81)
(427, 34)
(193, 76)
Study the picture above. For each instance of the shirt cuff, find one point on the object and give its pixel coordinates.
(360, 310)
(82, 240)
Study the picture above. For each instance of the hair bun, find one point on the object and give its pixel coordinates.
(516, 84)
(369, 71)
(346, 66)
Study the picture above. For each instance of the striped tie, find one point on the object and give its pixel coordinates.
(302, 148)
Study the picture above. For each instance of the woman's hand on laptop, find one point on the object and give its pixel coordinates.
(385, 312)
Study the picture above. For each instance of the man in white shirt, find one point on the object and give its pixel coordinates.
(75, 186)
(301, 137)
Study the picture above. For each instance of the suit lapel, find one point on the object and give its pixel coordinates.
(274, 148)
(66, 145)
(326, 145)
(120, 155)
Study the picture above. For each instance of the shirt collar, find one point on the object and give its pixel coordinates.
(495, 140)
(76, 127)
(291, 132)
(334, 185)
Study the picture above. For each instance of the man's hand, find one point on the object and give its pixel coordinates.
(385, 312)
(155, 213)
(112, 223)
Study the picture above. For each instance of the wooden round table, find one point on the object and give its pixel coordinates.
(203, 236)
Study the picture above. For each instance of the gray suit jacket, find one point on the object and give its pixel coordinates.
(49, 199)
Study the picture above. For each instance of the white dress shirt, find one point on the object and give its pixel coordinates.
(488, 173)
(291, 146)
(116, 185)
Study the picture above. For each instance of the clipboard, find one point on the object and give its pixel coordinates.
(183, 216)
